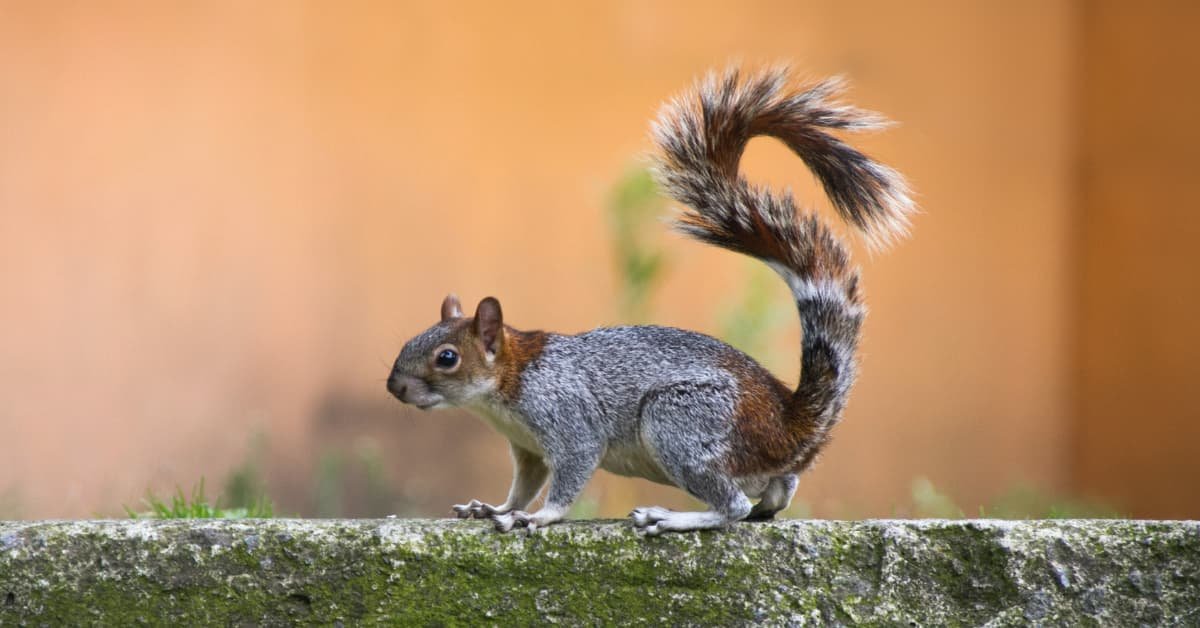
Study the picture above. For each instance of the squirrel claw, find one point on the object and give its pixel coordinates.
(475, 509)
(466, 511)
(645, 518)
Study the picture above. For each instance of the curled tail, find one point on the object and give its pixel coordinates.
(701, 136)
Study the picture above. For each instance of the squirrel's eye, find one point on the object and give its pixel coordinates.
(447, 358)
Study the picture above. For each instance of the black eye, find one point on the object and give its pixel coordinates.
(447, 358)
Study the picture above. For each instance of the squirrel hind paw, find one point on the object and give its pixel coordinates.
(654, 521)
(506, 521)
(648, 516)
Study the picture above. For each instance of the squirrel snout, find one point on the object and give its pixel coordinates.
(412, 390)
(397, 384)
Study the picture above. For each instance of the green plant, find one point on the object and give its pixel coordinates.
(928, 502)
(1020, 502)
(354, 482)
(10, 504)
(751, 321)
(633, 205)
(380, 497)
(244, 486)
(1026, 502)
(197, 506)
(327, 485)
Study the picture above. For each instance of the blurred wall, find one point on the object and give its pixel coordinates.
(222, 219)
(1138, 431)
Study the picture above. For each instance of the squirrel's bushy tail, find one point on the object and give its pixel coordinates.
(701, 136)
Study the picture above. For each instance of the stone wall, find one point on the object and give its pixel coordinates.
(422, 572)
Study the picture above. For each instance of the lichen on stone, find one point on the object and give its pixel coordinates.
(435, 572)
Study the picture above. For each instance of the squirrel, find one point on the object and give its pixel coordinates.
(673, 406)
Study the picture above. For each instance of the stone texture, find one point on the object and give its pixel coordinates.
(430, 572)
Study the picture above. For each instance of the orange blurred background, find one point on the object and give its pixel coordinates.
(219, 221)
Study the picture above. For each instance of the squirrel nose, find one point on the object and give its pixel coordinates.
(397, 385)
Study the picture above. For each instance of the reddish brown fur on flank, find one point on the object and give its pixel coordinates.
(519, 349)
(810, 453)
(768, 440)
(804, 415)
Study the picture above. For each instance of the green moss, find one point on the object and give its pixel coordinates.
(965, 561)
(441, 572)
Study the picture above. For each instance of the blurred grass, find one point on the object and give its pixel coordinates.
(752, 321)
(356, 482)
(1019, 502)
(10, 504)
(244, 485)
(346, 482)
(197, 506)
(1028, 502)
(634, 206)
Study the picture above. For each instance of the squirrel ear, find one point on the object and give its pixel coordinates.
(489, 324)
(451, 308)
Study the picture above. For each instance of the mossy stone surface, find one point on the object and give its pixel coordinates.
(445, 572)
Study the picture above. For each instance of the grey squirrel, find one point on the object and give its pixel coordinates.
(673, 406)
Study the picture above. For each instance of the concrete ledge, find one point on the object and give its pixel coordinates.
(422, 572)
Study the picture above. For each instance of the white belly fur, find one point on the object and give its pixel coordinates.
(633, 460)
(629, 460)
(510, 425)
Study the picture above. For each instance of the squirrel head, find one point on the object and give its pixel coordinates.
(453, 363)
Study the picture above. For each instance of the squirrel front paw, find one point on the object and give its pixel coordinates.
(476, 509)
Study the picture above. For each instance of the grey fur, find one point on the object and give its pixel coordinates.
(642, 401)
(663, 403)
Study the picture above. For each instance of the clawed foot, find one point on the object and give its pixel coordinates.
(646, 519)
(515, 519)
(476, 509)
